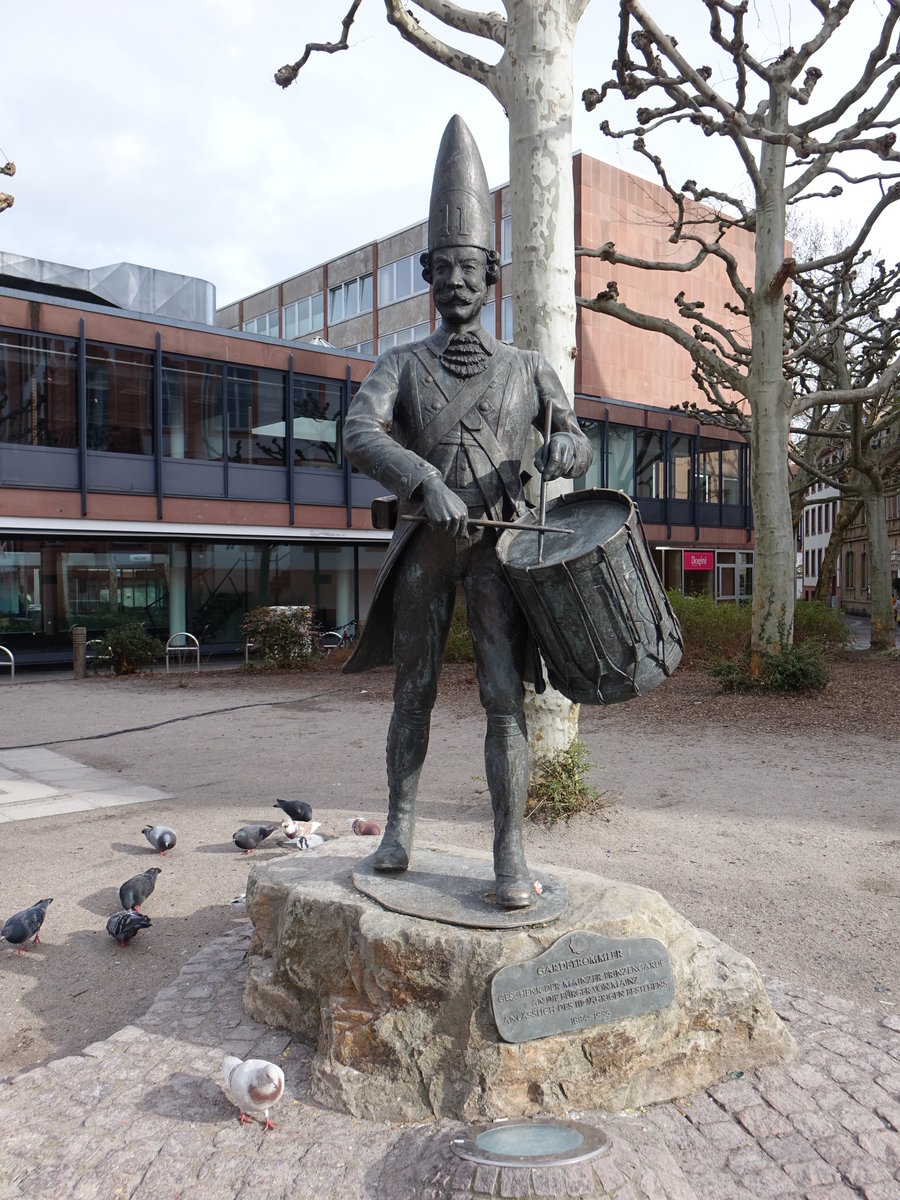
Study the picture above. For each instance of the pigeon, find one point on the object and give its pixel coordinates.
(297, 810)
(254, 1086)
(21, 925)
(248, 837)
(123, 926)
(302, 834)
(135, 891)
(160, 837)
(365, 828)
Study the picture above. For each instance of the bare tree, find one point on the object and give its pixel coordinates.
(533, 80)
(789, 149)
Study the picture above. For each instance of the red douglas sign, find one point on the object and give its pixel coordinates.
(699, 560)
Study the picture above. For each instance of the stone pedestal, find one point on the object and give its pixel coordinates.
(399, 1007)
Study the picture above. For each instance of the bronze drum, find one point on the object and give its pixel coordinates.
(595, 603)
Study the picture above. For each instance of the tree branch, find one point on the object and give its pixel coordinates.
(487, 25)
(286, 75)
(464, 64)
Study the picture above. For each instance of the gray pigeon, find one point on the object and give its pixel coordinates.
(160, 837)
(297, 810)
(248, 837)
(254, 1085)
(21, 925)
(135, 891)
(123, 926)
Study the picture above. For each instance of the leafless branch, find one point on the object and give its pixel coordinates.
(286, 75)
(465, 64)
(486, 25)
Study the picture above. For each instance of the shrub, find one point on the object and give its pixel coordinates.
(559, 788)
(282, 635)
(132, 648)
(802, 667)
(711, 631)
(814, 621)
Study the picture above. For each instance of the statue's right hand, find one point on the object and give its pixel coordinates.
(443, 508)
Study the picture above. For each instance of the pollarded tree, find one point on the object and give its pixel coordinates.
(7, 201)
(533, 80)
(788, 150)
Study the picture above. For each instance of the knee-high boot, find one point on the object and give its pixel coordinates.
(407, 745)
(506, 766)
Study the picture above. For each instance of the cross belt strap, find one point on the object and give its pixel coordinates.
(453, 412)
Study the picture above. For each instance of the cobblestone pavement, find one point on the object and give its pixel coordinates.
(141, 1117)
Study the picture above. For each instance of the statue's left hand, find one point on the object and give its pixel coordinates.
(556, 459)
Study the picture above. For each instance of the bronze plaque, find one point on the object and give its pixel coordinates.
(583, 979)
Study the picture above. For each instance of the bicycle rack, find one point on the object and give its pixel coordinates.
(12, 662)
(190, 646)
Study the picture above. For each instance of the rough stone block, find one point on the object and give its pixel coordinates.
(399, 1007)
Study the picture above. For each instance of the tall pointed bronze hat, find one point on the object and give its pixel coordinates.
(461, 212)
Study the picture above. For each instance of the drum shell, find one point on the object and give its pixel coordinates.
(601, 617)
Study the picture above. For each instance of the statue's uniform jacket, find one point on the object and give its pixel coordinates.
(405, 389)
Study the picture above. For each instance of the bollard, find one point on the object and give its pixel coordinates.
(79, 637)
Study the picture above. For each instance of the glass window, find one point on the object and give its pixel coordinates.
(414, 333)
(400, 279)
(349, 299)
(256, 400)
(192, 408)
(267, 324)
(506, 240)
(489, 317)
(119, 399)
(304, 316)
(649, 463)
(38, 390)
(708, 471)
(506, 318)
(731, 475)
(593, 477)
(317, 422)
(682, 467)
(621, 459)
(849, 570)
(20, 589)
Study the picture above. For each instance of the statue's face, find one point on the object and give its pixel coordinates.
(459, 285)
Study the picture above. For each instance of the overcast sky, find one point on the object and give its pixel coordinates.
(155, 133)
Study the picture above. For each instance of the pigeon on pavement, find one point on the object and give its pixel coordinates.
(254, 1086)
(123, 926)
(160, 837)
(365, 828)
(302, 834)
(135, 891)
(21, 925)
(248, 837)
(297, 810)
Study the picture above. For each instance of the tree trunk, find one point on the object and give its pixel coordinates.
(536, 89)
(879, 566)
(847, 514)
(774, 561)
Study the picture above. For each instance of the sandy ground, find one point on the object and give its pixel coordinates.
(776, 825)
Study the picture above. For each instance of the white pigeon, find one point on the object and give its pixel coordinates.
(254, 1086)
(302, 834)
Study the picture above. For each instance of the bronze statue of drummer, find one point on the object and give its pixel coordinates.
(443, 424)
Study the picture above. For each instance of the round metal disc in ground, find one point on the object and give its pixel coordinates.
(542, 1142)
(457, 890)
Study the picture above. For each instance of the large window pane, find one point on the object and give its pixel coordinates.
(621, 459)
(317, 422)
(192, 408)
(650, 463)
(256, 401)
(682, 468)
(20, 590)
(708, 471)
(593, 477)
(119, 399)
(38, 389)
(731, 483)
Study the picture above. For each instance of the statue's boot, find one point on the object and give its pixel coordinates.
(407, 745)
(506, 765)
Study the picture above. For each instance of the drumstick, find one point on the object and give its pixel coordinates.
(487, 524)
(542, 510)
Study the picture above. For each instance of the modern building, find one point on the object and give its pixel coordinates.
(148, 471)
(692, 483)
